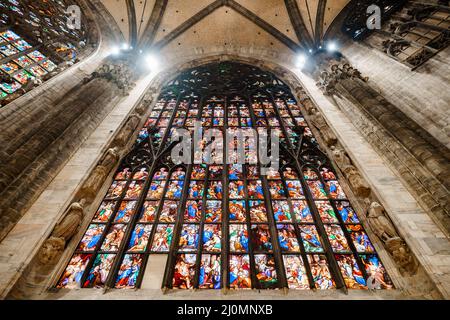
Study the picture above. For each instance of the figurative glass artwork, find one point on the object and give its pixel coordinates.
(34, 41)
(221, 224)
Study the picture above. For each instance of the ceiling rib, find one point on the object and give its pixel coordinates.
(153, 24)
(319, 22)
(189, 23)
(298, 23)
(133, 23)
(263, 25)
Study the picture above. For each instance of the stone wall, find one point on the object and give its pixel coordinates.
(423, 94)
(42, 129)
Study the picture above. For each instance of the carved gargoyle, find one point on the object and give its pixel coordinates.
(394, 244)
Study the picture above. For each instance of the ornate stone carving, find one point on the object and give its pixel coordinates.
(53, 247)
(118, 73)
(341, 158)
(123, 137)
(394, 244)
(110, 159)
(319, 122)
(357, 182)
(51, 251)
(71, 221)
(96, 178)
(336, 72)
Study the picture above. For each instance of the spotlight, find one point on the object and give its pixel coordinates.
(301, 61)
(152, 62)
(125, 46)
(332, 47)
(115, 51)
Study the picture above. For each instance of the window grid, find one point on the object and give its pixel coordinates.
(316, 239)
(28, 28)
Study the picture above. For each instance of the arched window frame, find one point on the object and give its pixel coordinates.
(300, 151)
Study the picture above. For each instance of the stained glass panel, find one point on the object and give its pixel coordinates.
(223, 223)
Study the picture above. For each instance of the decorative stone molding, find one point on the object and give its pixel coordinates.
(117, 72)
(419, 158)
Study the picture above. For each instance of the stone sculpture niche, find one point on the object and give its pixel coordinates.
(383, 227)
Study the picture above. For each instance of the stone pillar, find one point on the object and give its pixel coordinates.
(34, 152)
(421, 160)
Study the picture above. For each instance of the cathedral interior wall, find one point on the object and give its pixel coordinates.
(422, 235)
(422, 94)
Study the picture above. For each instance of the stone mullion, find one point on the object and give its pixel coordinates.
(251, 254)
(173, 251)
(282, 281)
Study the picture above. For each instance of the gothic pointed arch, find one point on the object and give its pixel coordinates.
(224, 224)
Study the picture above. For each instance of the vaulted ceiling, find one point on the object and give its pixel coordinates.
(276, 24)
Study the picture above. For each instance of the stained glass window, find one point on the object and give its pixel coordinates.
(34, 40)
(226, 224)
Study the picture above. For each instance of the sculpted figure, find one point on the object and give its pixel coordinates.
(70, 222)
(96, 178)
(394, 244)
(94, 182)
(341, 158)
(51, 251)
(401, 255)
(320, 123)
(110, 158)
(357, 183)
(127, 130)
(309, 106)
(380, 224)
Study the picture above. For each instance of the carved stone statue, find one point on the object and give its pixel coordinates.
(309, 106)
(380, 224)
(394, 244)
(96, 178)
(357, 182)
(51, 251)
(402, 256)
(341, 158)
(110, 159)
(70, 222)
(320, 123)
(125, 133)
